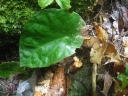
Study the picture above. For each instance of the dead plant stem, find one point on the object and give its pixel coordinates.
(94, 73)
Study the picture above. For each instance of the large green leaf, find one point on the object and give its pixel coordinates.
(50, 36)
(64, 4)
(8, 68)
(44, 3)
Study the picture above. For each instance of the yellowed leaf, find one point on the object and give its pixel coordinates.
(100, 45)
(96, 48)
(96, 56)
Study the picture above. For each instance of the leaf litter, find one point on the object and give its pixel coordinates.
(109, 47)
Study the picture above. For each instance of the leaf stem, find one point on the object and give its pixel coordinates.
(94, 73)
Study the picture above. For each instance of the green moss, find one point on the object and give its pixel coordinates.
(15, 13)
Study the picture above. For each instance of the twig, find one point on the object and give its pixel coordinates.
(99, 11)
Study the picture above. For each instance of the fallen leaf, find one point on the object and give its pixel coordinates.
(101, 33)
(107, 83)
(119, 67)
(120, 21)
(96, 48)
(125, 16)
(98, 44)
(112, 53)
(102, 38)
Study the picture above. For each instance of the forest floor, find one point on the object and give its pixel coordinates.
(72, 76)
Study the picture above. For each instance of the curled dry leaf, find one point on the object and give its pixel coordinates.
(101, 33)
(120, 21)
(58, 84)
(103, 38)
(113, 56)
(111, 52)
(98, 44)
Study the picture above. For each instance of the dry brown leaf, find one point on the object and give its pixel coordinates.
(113, 55)
(107, 83)
(101, 33)
(58, 84)
(120, 21)
(119, 67)
(111, 52)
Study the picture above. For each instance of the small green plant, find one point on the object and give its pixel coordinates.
(64, 4)
(8, 68)
(124, 79)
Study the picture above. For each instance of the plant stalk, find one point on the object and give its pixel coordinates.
(94, 73)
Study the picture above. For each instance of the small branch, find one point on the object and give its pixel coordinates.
(99, 10)
(94, 73)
